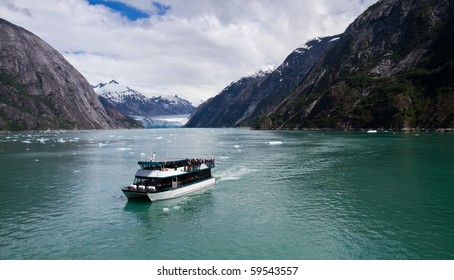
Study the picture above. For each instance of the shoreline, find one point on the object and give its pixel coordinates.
(404, 130)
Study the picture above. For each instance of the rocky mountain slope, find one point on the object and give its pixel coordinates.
(391, 69)
(41, 90)
(134, 104)
(244, 101)
(228, 107)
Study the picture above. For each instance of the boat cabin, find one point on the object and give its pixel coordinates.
(164, 175)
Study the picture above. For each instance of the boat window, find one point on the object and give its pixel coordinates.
(147, 181)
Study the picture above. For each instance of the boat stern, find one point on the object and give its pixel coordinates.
(137, 192)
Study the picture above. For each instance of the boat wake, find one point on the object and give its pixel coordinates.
(233, 174)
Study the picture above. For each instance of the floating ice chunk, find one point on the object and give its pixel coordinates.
(275, 143)
(123, 149)
(27, 142)
(42, 140)
(61, 140)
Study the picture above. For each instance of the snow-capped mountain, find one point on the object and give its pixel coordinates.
(134, 104)
(118, 93)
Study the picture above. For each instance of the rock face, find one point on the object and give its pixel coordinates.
(41, 90)
(391, 69)
(244, 101)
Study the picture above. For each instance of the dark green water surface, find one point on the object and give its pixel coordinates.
(279, 195)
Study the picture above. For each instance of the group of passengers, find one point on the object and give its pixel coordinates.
(196, 163)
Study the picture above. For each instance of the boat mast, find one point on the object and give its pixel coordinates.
(153, 156)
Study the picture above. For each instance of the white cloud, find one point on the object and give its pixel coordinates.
(194, 50)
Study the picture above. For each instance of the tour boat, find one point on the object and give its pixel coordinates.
(160, 180)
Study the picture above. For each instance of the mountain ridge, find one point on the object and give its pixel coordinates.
(244, 101)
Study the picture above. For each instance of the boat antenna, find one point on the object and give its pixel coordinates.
(153, 156)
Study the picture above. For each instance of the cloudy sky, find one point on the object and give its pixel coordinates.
(193, 48)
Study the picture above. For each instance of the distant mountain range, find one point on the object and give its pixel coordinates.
(391, 69)
(145, 109)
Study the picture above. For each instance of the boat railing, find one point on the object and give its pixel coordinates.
(188, 164)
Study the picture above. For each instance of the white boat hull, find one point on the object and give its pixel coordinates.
(156, 196)
(135, 195)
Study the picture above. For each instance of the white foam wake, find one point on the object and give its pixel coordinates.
(233, 174)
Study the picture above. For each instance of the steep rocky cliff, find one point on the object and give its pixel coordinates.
(391, 69)
(40, 90)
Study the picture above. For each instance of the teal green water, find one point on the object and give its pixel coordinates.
(279, 195)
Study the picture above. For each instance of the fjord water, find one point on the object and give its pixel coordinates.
(279, 195)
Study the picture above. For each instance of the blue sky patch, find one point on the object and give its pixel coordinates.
(161, 9)
(125, 10)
